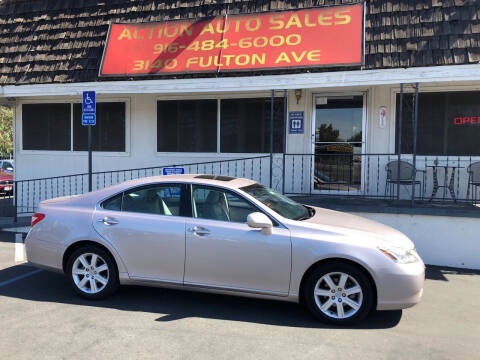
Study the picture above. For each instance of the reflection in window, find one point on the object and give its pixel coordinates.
(340, 120)
(213, 204)
(160, 200)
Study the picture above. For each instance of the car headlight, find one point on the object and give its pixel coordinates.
(400, 255)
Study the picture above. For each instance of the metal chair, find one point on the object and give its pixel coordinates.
(401, 172)
(473, 180)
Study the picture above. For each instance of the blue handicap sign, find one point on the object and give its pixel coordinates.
(88, 119)
(173, 171)
(296, 122)
(89, 102)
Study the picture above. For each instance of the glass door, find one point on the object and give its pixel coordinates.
(339, 125)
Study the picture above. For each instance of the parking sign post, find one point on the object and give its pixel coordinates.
(89, 119)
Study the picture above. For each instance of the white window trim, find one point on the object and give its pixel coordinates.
(218, 153)
(72, 152)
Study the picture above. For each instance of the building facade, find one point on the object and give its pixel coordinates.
(388, 126)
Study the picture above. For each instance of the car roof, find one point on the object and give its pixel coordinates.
(204, 179)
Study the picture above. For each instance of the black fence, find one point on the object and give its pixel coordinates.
(29, 193)
(384, 176)
(389, 176)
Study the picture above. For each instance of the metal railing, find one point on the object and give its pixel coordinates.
(29, 193)
(328, 174)
(389, 176)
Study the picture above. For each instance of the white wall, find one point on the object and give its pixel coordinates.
(440, 240)
(141, 136)
(141, 142)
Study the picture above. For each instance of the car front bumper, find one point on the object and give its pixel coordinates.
(400, 286)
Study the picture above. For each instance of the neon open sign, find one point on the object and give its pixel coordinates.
(466, 120)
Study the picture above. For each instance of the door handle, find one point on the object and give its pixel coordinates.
(108, 221)
(198, 230)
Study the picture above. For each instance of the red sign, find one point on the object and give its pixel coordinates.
(300, 38)
(466, 120)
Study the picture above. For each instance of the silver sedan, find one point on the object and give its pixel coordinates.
(225, 235)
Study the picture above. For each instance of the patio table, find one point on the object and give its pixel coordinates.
(447, 183)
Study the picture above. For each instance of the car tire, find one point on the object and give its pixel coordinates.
(332, 301)
(93, 273)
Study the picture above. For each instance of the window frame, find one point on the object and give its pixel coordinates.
(127, 131)
(185, 208)
(424, 88)
(219, 98)
(442, 146)
(18, 132)
(231, 191)
(19, 109)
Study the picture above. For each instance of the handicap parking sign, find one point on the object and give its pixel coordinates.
(89, 103)
(88, 119)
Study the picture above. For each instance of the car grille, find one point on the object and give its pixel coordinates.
(6, 182)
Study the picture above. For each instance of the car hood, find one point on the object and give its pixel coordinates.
(351, 225)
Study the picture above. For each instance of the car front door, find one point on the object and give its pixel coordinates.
(147, 227)
(222, 251)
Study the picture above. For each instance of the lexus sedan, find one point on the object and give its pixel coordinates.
(229, 236)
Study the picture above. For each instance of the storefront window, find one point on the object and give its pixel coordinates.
(245, 125)
(191, 125)
(187, 126)
(448, 123)
(46, 126)
(109, 132)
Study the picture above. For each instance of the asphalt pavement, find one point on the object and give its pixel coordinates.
(40, 317)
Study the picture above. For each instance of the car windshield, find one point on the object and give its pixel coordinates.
(280, 204)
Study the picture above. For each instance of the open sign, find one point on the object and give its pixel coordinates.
(464, 120)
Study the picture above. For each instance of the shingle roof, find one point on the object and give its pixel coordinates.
(62, 40)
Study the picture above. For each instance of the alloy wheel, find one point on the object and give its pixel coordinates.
(338, 295)
(90, 273)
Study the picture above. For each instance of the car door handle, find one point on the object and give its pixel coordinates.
(108, 221)
(198, 230)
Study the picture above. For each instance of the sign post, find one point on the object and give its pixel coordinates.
(89, 120)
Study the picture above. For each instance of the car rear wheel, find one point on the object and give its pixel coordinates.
(338, 293)
(92, 273)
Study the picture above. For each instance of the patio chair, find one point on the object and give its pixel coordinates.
(473, 180)
(407, 176)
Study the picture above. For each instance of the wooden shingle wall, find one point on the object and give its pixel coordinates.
(62, 40)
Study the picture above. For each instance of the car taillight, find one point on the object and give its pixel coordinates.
(36, 218)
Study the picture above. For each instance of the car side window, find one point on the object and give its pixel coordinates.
(218, 204)
(156, 199)
(114, 203)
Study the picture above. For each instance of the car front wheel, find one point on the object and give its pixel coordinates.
(92, 273)
(338, 293)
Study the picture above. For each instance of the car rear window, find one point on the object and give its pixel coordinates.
(114, 203)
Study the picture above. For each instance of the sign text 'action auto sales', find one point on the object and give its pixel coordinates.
(300, 38)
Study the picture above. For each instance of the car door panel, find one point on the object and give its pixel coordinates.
(233, 255)
(146, 225)
(151, 246)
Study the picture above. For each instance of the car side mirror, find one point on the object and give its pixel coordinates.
(258, 220)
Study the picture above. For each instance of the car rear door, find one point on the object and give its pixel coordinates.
(146, 225)
(222, 251)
